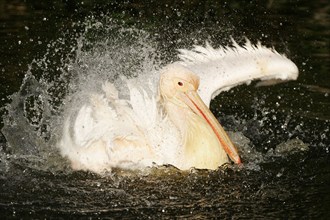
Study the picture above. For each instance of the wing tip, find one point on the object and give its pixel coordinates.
(201, 54)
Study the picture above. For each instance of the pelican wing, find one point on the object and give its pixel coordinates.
(225, 67)
(111, 132)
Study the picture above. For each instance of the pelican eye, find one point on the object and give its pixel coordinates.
(180, 83)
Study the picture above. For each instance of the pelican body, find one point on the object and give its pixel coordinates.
(174, 125)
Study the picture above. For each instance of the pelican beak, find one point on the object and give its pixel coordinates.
(193, 100)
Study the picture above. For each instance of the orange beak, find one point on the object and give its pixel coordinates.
(193, 100)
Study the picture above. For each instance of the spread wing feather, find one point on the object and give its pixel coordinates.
(225, 67)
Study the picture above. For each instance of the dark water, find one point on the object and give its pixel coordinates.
(47, 50)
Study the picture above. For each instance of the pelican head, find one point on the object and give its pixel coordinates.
(205, 142)
(176, 80)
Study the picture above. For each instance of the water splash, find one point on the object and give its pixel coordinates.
(73, 67)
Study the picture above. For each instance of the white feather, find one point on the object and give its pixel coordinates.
(223, 68)
(90, 139)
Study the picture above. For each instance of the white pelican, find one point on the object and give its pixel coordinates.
(173, 125)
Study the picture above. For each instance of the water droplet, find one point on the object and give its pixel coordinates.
(323, 136)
